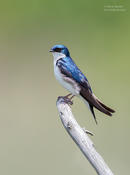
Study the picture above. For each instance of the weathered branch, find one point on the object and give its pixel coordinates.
(81, 138)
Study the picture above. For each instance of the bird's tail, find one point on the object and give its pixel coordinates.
(98, 105)
(103, 105)
(92, 111)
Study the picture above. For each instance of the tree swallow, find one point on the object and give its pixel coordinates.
(71, 78)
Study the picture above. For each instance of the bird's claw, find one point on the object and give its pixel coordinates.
(65, 99)
(68, 100)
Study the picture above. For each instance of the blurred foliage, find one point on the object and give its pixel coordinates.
(33, 140)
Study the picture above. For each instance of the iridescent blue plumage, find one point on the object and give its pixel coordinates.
(69, 68)
(62, 49)
(70, 76)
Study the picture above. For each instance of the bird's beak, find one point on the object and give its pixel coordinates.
(51, 50)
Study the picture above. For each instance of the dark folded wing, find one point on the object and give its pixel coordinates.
(86, 94)
(70, 70)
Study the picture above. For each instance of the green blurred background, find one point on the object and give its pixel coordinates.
(32, 138)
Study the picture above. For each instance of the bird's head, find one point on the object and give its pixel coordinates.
(60, 51)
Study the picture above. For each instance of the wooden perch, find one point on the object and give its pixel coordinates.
(81, 138)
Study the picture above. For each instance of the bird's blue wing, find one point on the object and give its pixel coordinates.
(69, 69)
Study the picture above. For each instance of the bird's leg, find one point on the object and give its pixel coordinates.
(72, 97)
(67, 96)
(68, 100)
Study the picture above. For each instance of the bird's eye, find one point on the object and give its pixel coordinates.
(57, 50)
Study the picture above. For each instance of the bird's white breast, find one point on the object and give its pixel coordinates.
(66, 82)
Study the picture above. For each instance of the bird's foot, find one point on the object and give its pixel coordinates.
(66, 99)
(69, 100)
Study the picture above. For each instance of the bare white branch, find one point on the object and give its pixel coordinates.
(81, 138)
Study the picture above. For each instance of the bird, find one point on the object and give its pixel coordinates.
(71, 78)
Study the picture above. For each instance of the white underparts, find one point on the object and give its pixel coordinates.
(66, 82)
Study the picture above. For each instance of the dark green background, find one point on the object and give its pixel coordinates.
(32, 138)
